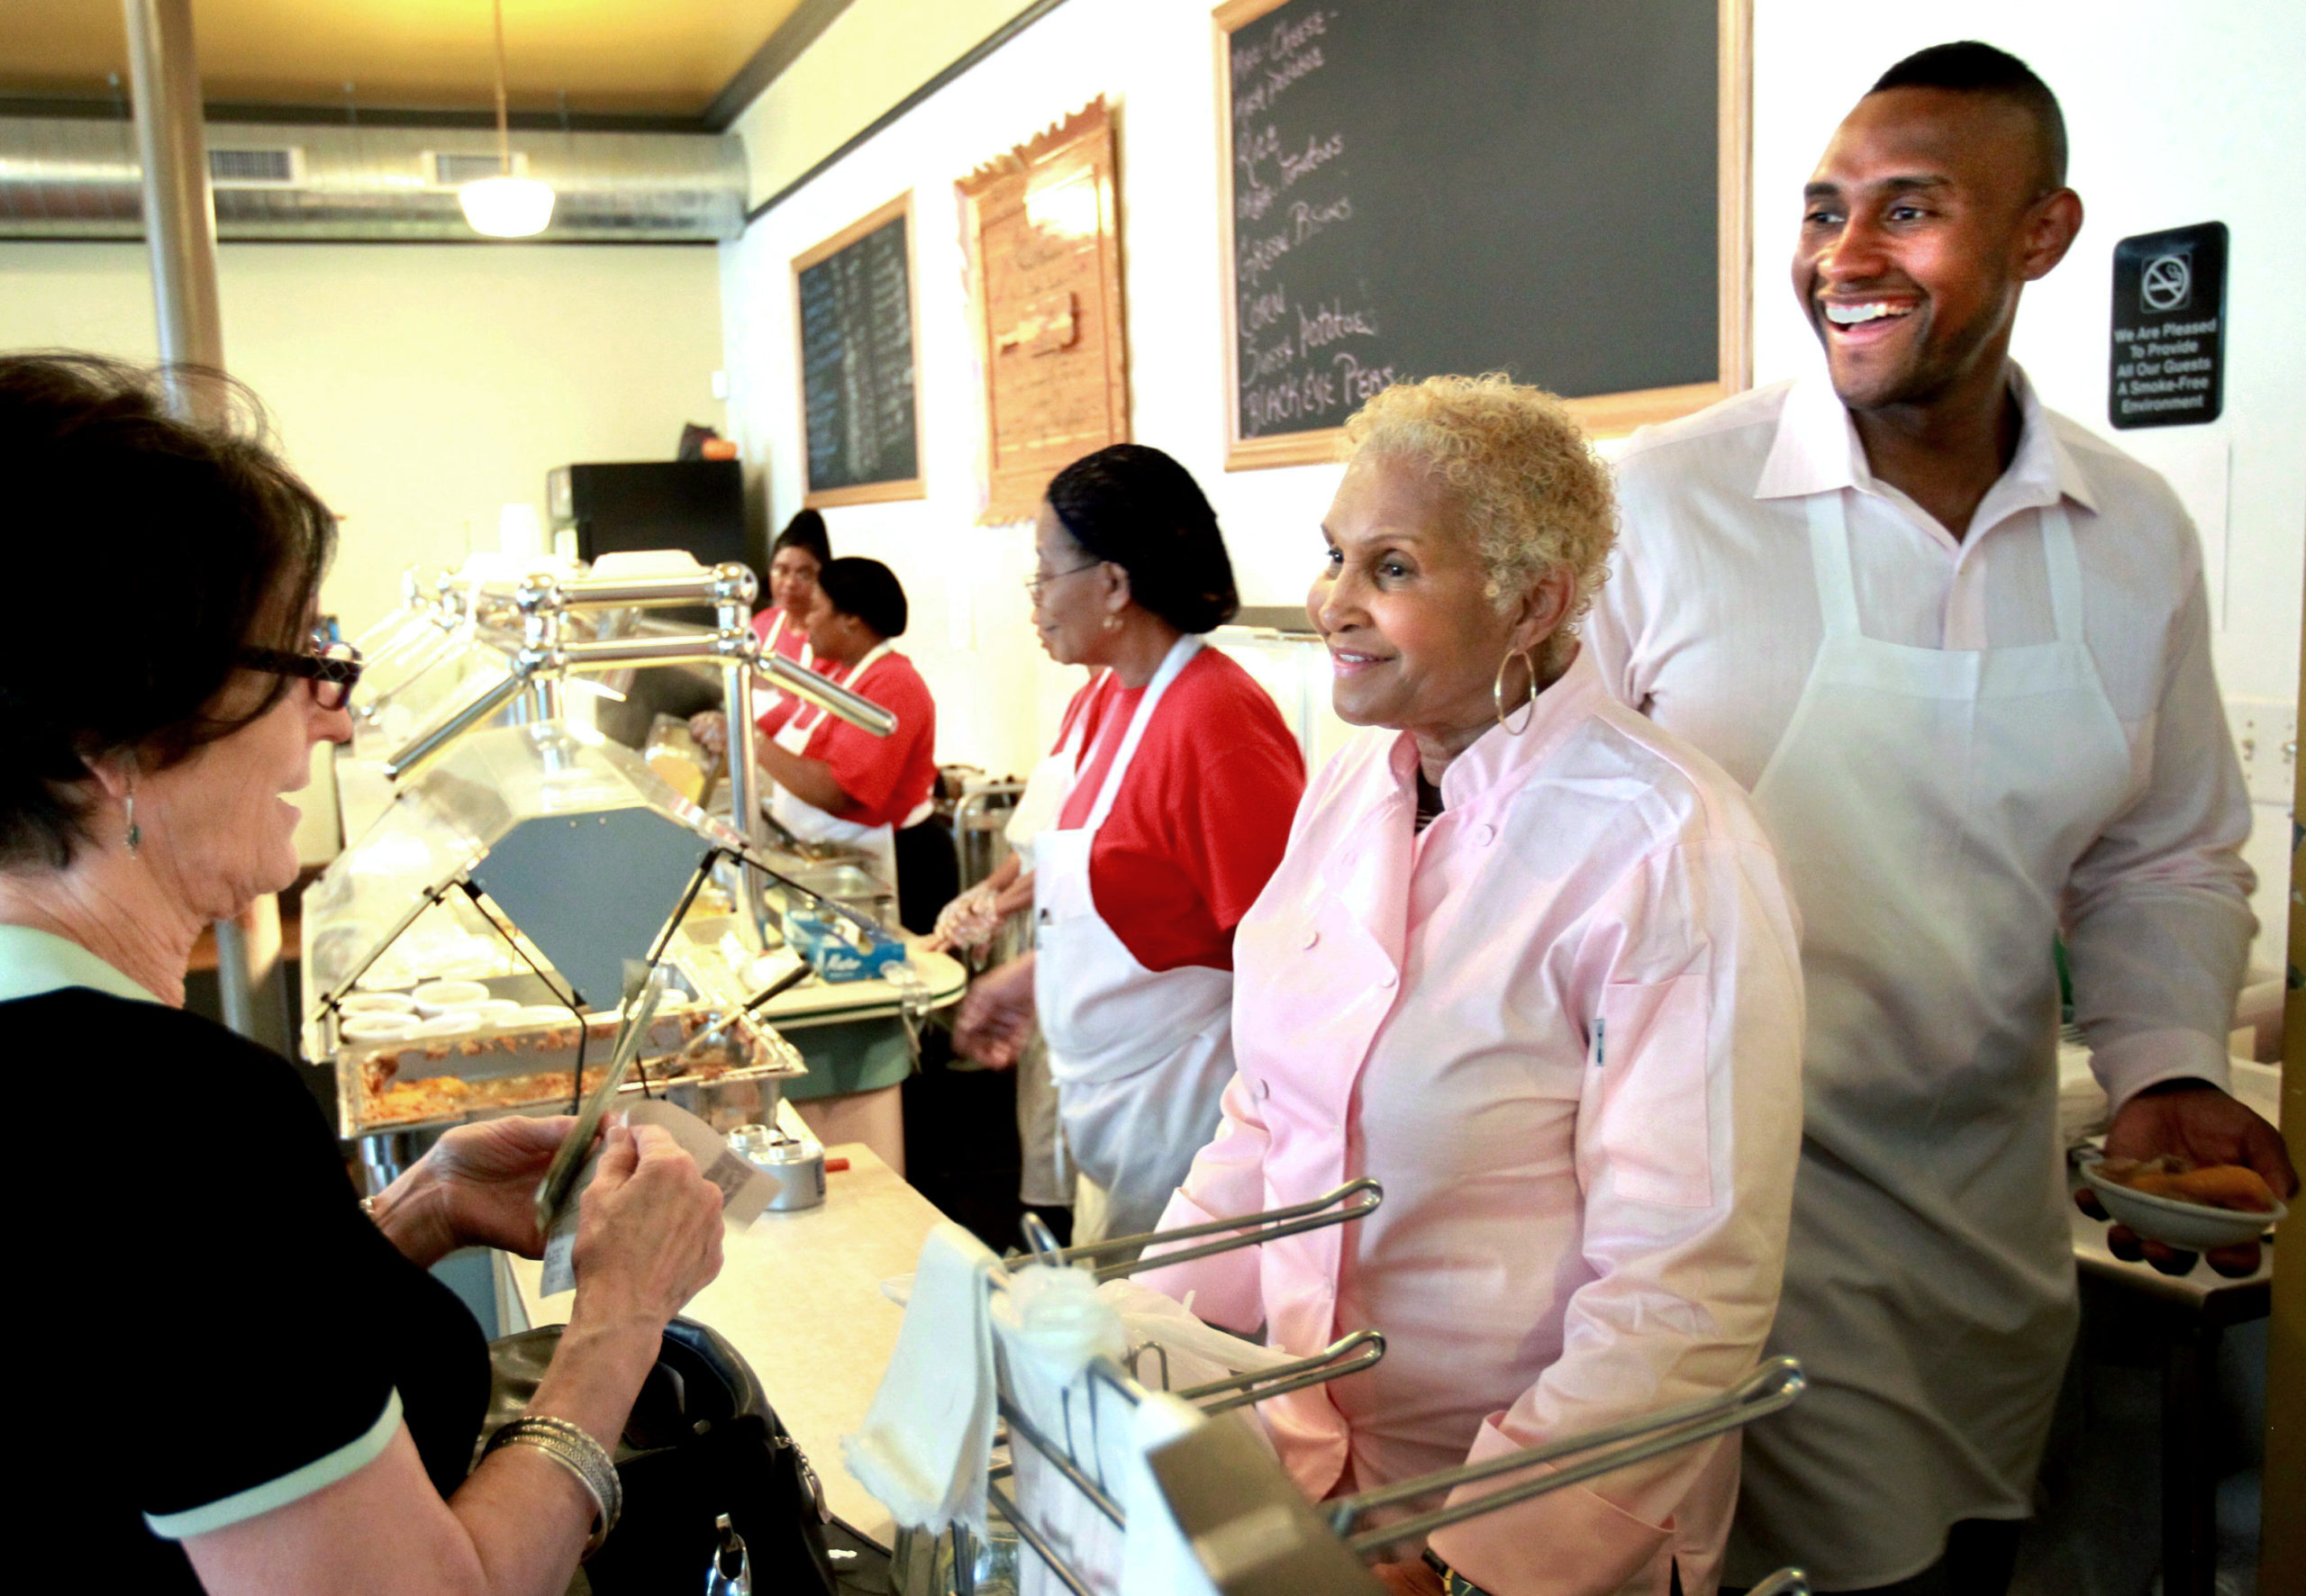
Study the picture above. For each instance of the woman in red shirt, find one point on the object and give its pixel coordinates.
(834, 781)
(1178, 779)
(801, 551)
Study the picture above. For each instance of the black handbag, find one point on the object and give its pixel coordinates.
(702, 1441)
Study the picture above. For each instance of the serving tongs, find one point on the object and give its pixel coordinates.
(775, 989)
(644, 989)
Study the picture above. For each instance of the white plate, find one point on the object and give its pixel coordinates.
(2181, 1224)
(377, 1027)
(378, 1003)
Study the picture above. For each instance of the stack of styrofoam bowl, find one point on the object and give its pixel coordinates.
(435, 998)
(376, 1017)
(450, 1007)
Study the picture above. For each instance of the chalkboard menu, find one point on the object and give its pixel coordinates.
(1533, 186)
(853, 296)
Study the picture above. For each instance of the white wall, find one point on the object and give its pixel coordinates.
(419, 387)
(2178, 114)
(1153, 59)
(867, 59)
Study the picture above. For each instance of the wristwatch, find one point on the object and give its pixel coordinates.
(1453, 1583)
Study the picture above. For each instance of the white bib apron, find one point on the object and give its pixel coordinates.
(812, 824)
(1043, 799)
(1930, 805)
(776, 635)
(1049, 1172)
(1140, 1058)
(808, 657)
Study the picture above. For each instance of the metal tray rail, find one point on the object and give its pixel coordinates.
(1769, 1388)
(1250, 1231)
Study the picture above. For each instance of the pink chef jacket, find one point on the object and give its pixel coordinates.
(1563, 1028)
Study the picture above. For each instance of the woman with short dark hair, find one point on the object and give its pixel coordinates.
(1170, 792)
(835, 782)
(302, 1399)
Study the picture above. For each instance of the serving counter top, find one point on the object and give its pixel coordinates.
(936, 980)
(799, 1295)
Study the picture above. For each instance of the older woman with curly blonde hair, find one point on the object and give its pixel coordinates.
(1529, 962)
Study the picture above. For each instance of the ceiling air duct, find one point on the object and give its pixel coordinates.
(78, 178)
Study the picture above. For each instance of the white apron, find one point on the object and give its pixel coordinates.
(1047, 1178)
(812, 824)
(1930, 805)
(769, 646)
(1043, 799)
(1140, 1058)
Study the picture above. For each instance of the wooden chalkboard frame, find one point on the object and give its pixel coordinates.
(915, 486)
(1602, 415)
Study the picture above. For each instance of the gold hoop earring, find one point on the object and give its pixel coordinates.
(1497, 692)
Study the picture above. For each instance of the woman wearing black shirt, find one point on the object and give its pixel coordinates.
(230, 1376)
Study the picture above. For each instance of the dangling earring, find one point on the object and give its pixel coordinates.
(1497, 692)
(1113, 622)
(135, 831)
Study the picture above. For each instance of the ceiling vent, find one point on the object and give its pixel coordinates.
(282, 166)
(453, 169)
(75, 178)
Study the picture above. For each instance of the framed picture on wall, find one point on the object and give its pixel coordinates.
(854, 306)
(1044, 252)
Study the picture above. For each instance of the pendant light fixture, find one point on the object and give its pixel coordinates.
(505, 206)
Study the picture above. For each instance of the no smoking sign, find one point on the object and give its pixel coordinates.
(2168, 364)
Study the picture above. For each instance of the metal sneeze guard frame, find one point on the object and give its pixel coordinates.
(529, 622)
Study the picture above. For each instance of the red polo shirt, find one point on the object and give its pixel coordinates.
(887, 778)
(1203, 814)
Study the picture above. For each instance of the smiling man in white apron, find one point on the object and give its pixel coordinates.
(1960, 649)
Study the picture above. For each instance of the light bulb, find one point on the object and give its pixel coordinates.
(507, 207)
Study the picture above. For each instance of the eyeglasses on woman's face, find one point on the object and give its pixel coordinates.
(330, 668)
(1038, 582)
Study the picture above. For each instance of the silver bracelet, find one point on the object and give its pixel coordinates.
(574, 1448)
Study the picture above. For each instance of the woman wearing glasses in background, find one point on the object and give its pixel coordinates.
(1168, 798)
(307, 1398)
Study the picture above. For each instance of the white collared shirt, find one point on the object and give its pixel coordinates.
(1709, 624)
(33, 962)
